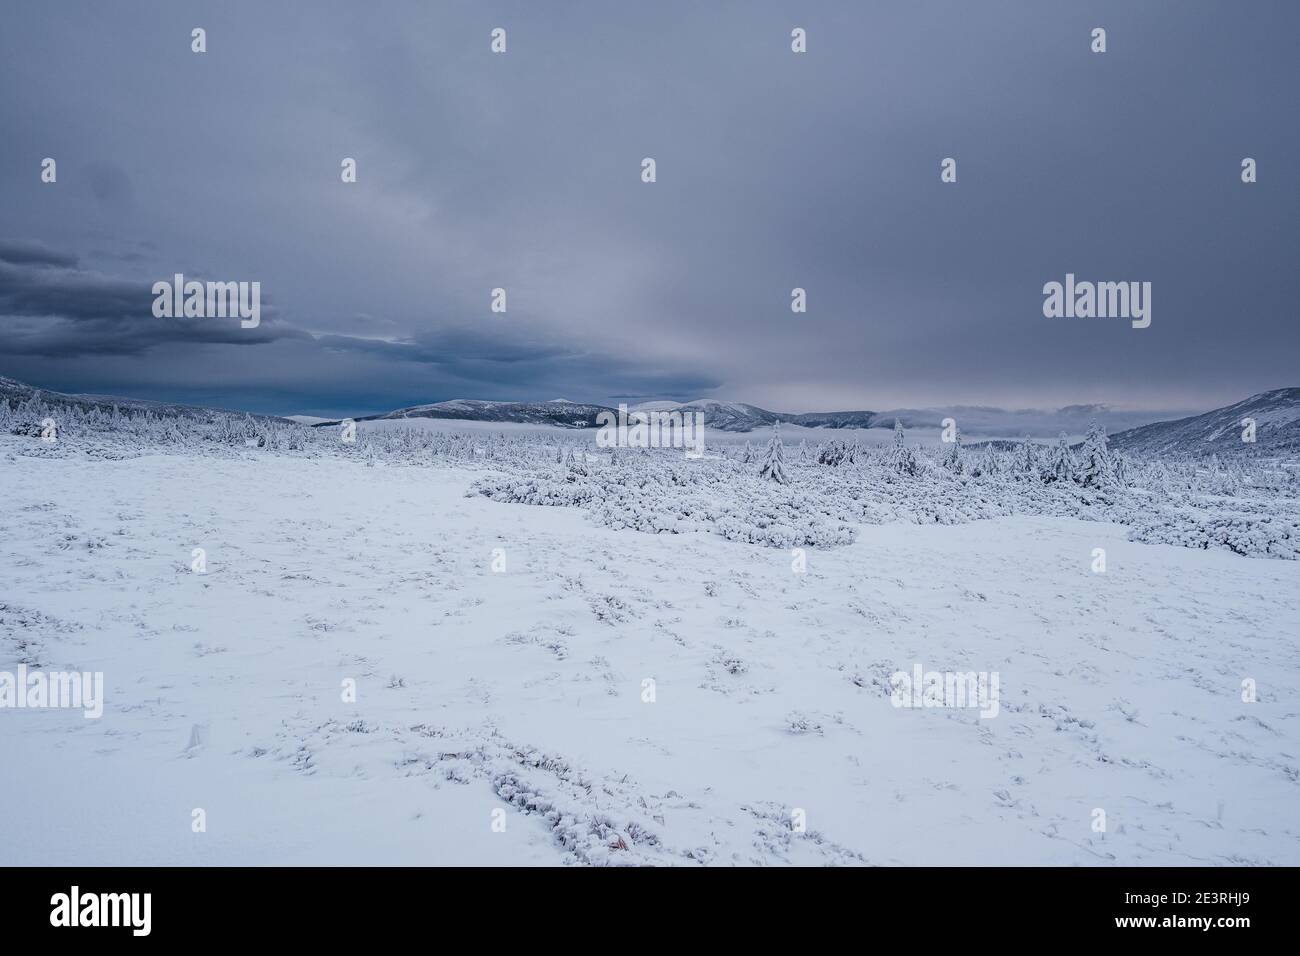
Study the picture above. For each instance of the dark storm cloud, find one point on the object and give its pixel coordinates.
(455, 345)
(519, 368)
(50, 308)
(29, 252)
(776, 170)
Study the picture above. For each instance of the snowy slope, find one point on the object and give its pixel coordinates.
(14, 392)
(1276, 414)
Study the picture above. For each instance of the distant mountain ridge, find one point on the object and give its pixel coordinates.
(740, 417)
(724, 416)
(15, 391)
(1276, 415)
(555, 412)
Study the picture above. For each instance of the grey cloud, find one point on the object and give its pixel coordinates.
(51, 308)
(522, 367)
(25, 252)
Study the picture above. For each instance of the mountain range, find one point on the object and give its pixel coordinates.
(742, 417)
(976, 421)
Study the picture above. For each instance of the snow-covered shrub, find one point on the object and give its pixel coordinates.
(1254, 535)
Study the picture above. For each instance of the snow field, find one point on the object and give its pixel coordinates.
(523, 690)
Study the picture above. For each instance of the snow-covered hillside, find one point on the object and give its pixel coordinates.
(14, 392)
(1275, 414)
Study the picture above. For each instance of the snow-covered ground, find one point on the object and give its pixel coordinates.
(523, 690)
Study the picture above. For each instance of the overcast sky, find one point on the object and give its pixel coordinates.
(775, 170)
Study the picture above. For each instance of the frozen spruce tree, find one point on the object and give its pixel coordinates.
(748, 455)
(833, 453)
(952, 458)
(774, 459)
(1095, 467)
(990, 464)
(1226, 481)
(1026, 459)
(1121, 467)
(1061, 465)
(1157, 478)
(899, 458)
(577, 463)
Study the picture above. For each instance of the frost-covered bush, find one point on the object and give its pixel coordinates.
(1252, 534)
(663, 492)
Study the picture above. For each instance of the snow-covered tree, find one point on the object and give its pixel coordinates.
(990, 463)
(953, 460)
(774, 459)
(1026, 458)
(1155, 478)
(1095, 467)
(1060, 466)
(833, 453)
(577, 463)
(1120, 465)
(899, 457)
(748, 455)
(1224, 479)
